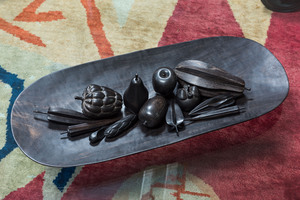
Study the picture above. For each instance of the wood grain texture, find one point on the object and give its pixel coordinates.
(41, 141)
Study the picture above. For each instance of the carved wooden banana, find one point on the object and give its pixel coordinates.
(207, 76)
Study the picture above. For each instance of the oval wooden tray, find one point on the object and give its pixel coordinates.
(41, 142)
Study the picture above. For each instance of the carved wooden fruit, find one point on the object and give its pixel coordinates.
(164, 80)
(99, 101)
(135, 95)
(188, 97)
(153, 112)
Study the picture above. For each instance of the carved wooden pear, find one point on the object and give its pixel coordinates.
(135, 95)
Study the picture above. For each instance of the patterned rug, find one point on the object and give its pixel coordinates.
(258, 159)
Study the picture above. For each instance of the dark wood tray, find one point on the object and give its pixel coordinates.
(41, 141)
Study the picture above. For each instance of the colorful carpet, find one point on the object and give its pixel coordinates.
(258, 159)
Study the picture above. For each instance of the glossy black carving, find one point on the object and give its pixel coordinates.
(99, 101)
(153, 111)
(164, 80)
(135, 95)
